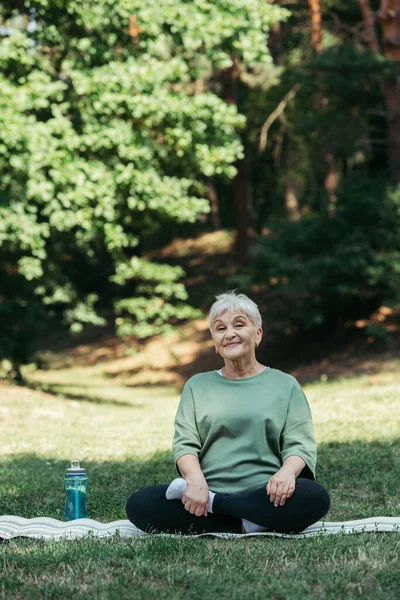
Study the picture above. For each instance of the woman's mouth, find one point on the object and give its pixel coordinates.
(231, 344)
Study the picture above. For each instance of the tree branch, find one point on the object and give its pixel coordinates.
(275, 115)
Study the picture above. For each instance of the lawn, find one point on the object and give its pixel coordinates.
(123, 437)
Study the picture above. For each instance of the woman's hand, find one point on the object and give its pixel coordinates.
(281, 486)
(196, 497)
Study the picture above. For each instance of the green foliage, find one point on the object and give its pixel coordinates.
(153, 308)
(333, 268)
(104, 141)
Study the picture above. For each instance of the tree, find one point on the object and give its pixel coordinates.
(105, 143)
(389, 16)
(316, 24)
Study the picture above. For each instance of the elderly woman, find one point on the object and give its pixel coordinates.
(244, 443)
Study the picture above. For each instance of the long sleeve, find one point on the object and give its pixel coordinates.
(297, 437)
(186, 437)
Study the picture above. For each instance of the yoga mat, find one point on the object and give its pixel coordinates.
(52, 529)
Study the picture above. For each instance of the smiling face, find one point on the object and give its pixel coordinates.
(235, 335)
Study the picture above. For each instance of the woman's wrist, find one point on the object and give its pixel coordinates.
(294, 464)
(197, 479)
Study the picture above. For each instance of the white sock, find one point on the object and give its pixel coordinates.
(177, 488)
(252, 527)
(210, 505)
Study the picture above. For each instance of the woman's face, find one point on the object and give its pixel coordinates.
(235, 335)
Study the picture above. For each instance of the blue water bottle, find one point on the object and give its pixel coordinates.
(75, 488)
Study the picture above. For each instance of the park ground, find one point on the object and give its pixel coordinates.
(112, 404)
(123, 436)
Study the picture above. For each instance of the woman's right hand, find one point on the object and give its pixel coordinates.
(196, 498)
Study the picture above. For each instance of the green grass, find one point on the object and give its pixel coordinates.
(123, 436)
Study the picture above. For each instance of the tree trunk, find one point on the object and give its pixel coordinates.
(331, 181)
(316, 24)
(292, 205)
(291, 202)
(241, 187)
(331, 175)
(369, 25)
(389, 14)
(275, 44)
(214, 205)
(243, 204)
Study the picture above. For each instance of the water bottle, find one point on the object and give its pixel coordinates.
(75, 488)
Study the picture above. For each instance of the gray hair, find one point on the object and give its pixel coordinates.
(230, 301)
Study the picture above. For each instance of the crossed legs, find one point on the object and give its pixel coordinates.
(149, 510)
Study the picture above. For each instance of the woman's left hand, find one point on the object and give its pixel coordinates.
(281, 486)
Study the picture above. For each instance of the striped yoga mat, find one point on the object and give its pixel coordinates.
(52, 529)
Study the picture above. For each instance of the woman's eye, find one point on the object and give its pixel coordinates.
(236, 325)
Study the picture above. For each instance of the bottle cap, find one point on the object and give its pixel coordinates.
(75, 468)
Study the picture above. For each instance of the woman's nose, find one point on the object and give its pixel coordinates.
(230, 332)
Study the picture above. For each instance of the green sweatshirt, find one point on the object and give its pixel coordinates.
(242, 430)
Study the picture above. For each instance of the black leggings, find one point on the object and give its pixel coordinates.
(149, 510)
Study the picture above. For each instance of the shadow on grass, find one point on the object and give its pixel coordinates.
(59, 390)
(362, 479)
